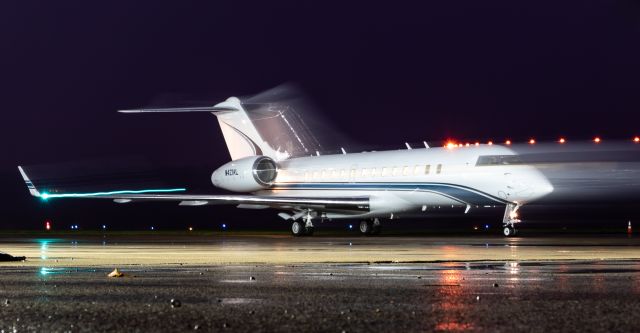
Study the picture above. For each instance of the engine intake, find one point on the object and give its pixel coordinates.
(247, 174)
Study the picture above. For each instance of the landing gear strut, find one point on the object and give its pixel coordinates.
(510, 220)
(370, 227)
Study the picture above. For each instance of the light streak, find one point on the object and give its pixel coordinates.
(46, 196)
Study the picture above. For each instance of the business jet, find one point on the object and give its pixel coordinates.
(368, 186)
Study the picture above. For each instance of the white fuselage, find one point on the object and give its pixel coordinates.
(402, 181)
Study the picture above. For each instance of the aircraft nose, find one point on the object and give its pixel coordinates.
(529, 185)
(540, 185)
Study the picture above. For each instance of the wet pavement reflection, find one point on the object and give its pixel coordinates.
(274, 284)
(447, 297)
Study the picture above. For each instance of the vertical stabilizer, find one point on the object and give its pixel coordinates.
(239, 132)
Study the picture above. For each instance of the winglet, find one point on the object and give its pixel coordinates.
(32, 189)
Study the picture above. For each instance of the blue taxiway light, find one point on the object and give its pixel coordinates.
(46, 196)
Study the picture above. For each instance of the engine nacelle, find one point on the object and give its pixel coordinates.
(247, 174)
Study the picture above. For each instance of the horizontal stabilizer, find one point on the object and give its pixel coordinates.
(189, 109)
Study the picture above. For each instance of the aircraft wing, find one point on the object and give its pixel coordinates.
(355, 204)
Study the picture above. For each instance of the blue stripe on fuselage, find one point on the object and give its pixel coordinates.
(458, 192)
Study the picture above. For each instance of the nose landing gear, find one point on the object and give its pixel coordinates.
(510, 220)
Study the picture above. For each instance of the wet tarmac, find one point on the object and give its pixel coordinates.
(588, 284)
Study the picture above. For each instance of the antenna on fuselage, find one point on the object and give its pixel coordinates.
(408, 146)
(425, 144)
(343, 151)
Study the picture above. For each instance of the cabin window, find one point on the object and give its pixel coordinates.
(439, 169)
(307, 175)
(396, 171)
(385, 171)
(316, 174)
(353, 173)
(405, 171)
(365, 172)
(359, 173)
(373, 172)
(343, 172)
(324, 173)
(334, 173)
(417, 169)
(427, 169)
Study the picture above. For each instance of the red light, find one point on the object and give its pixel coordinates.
(477, 144)
(451, 145)
(532, 141)
(466, 144)
(508, 142)
(636, 139)
(47, 225)
(596, 139)
(490, 143)
(562, 140)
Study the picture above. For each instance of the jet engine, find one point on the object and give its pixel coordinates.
(248, 174)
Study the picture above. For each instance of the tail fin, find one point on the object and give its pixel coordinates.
(239, 132)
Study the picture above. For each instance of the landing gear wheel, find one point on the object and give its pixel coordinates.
(366, 227)
(308, 231)
(376, 226)
(376, 230)
(297, 228)
(509, 231)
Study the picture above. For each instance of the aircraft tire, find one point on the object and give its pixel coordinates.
(366, 227)
(297, 228)
(308, 231)
(375, 230)
(509, 231)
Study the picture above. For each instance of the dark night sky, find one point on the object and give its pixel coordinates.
(383, 73)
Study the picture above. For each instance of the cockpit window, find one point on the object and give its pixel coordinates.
(498, 160)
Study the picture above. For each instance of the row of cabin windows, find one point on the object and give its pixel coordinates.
(374, 172)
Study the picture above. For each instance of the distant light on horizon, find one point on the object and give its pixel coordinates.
(562, 140)
(597, 139)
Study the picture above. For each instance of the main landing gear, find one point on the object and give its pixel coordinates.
(510, 220)
(370, 227)
(304, 227)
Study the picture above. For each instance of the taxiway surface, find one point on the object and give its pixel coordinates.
(275, 283)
